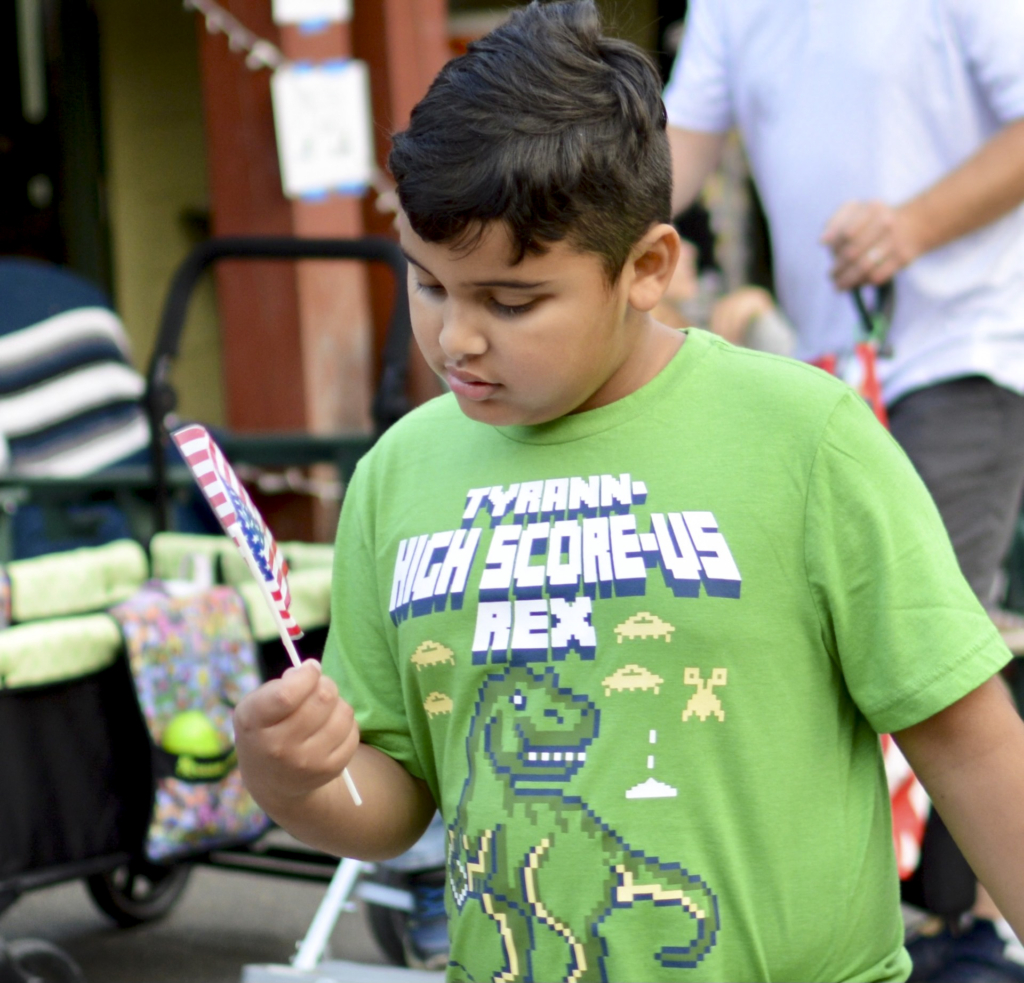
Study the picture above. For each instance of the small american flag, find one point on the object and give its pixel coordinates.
(238, 517)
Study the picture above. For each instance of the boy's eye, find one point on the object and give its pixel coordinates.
(511, 310)
(430, 289)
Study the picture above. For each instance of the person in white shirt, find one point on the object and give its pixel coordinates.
(886, 140)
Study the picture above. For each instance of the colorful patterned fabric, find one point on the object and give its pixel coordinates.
(193, 659)
(5, 598)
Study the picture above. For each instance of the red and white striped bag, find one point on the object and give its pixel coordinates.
(910, 807)
(859, 369)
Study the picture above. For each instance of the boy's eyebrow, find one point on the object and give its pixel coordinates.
(507, 284)
(413, 260)
(513, 284)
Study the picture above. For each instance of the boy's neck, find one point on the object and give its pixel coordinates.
(655, 348)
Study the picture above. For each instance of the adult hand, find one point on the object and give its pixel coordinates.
(732, 316)
(870, 242)
(294, 735)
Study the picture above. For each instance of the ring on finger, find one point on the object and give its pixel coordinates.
(875, 255)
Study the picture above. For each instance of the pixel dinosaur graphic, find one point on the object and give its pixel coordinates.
(523, 877)
(704, 702)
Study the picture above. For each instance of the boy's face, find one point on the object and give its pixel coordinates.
(523, 343)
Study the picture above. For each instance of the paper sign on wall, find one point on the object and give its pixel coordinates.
(311, 11)
(324, 127)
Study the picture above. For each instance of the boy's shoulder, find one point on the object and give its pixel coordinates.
(776, 371)
(760, 387)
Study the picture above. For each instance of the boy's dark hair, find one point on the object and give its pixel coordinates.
(547, 126)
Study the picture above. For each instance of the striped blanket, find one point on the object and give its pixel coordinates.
(69, 396)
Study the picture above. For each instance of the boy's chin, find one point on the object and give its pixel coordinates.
(502, 414)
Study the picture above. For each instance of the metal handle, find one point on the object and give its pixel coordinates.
(875, 319)
(390, 400)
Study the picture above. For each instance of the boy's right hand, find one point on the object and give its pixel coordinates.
(293, 735)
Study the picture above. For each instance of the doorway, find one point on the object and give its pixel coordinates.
(52, 203)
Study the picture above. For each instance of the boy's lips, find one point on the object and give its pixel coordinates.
(467, 385)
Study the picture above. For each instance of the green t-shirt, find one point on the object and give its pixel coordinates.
(641, 656)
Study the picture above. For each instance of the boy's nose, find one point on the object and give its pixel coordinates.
(460, 338)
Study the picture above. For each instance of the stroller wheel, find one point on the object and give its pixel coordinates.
(138, 891)
(35, 961)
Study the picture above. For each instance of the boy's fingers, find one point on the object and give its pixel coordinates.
(327, 688)
(280, 698)
(319, 750)
(308, 665)
(331, 746)
(296, 730)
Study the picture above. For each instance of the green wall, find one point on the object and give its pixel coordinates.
(635, 20)
(154, 148)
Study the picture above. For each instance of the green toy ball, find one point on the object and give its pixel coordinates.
(191, 732)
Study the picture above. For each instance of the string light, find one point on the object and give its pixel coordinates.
(259, 52)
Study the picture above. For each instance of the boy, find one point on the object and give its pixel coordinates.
(630, 605)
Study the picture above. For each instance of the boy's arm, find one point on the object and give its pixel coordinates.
(970, 758)
(294, 735)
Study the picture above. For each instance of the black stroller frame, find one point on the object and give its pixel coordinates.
(110, 794)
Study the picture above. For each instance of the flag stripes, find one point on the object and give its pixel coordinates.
(238, 516)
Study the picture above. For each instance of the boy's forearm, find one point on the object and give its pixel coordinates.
(970, 758)
(396, 809)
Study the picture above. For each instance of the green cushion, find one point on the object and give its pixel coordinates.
(170, 553)
(308, 556)
(79, 581)
(56, 650)
(76, 581)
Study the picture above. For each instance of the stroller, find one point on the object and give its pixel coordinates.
(85, 756)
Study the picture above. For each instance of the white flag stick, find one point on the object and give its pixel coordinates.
(289, 645)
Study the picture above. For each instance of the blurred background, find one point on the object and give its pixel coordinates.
(130, 132)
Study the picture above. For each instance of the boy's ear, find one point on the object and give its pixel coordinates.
(653, 261)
